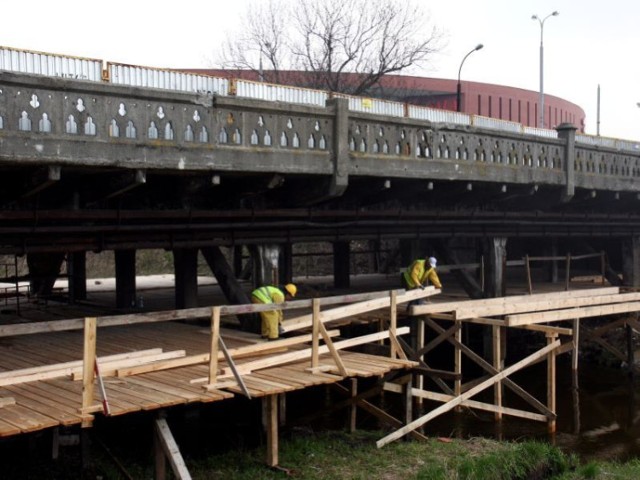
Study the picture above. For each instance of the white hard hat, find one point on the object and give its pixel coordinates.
(432, 261)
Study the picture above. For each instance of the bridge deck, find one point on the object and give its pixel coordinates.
(46, 403)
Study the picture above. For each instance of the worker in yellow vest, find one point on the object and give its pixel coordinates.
(420, 273)
(272, 319)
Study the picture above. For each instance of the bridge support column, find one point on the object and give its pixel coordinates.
(495, 254)
(567, 132)
(285, 263)
(266, 262)
(229, 285)
(341, 265)
(125, 278)
(553, 268)
(185, 267)
(409, 251)
(77, 269)
(43, 272)
(340, 178)
(631, 261)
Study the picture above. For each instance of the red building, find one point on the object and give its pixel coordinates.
(486, 99)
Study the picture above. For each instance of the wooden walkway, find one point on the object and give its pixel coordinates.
(158, 364)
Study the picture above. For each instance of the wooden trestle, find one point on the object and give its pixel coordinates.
(534, 312)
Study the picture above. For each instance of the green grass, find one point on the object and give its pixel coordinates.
(335, 455)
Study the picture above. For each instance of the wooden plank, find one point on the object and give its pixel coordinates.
(488, 407)
(171, 315)
(68, 366)
(112, 368)
(303, 354)
(6, 401)
(548, 304)
(146, 398)
(572, 313)
(7, 429)
(502, 323)
(465, 396)
(171, 450)
(26, 419)
(88, 362)
(62, 414)
(306, 321)
(452, 306)
(236, 353)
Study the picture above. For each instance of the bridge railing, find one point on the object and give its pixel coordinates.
(148, 77)
(278, 93)
(65, 66)
(51, 65)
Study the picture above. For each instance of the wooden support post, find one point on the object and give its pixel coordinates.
(497, 364)
(575, 340)
(315, 344)
(457, 360)
(551, 381)
(160, 461)
(408, 400)
(527, 267)
(169, 449)
(420, 332)
(353, 408)
(215, 337)
(603, 267)
(575, 395)
(393, 319)
(567, 277)
(630, 349)
(271, 421)
(282, 408)
(88, 369)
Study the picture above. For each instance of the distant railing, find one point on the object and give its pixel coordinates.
(54, 65)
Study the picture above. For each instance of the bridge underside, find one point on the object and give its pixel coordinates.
(51, 209)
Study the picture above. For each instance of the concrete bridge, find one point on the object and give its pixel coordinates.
(128, 158)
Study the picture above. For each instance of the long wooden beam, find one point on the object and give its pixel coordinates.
(488, 407)
(546, 304)
(171, 315)
(452, 306)
(494, 322)
(572, 313)
(306, 321)
(467, 395)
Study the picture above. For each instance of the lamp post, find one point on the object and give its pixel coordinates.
(459, 90)
(541, 101)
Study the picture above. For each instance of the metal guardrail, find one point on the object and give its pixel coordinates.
(51, 65)
(54, 65)
(438, 116)
(278, 93)
(147, 77)
(373, 105)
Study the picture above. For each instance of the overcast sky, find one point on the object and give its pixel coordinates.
(591, 43)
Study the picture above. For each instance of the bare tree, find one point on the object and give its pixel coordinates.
(327, 39)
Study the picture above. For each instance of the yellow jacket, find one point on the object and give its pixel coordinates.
(417, 275)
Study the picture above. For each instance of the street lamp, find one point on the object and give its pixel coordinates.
(477, 47)
(541, 102)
